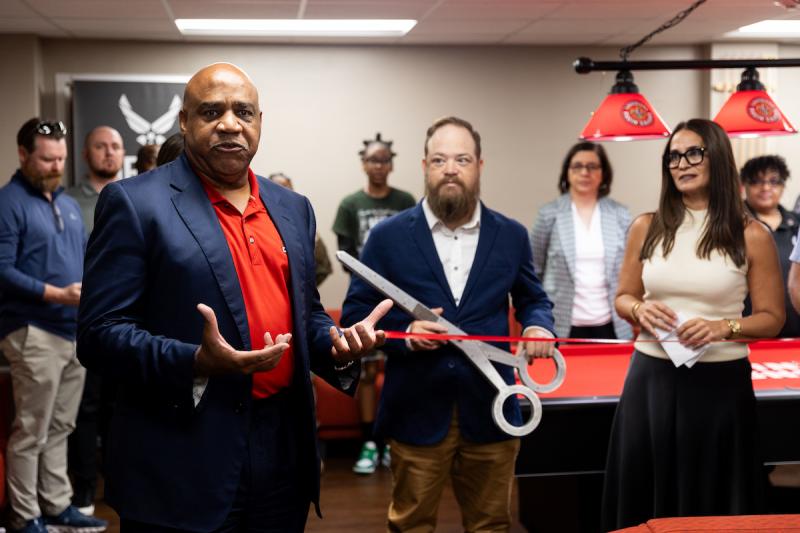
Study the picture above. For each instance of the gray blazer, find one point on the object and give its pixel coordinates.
(553, 242)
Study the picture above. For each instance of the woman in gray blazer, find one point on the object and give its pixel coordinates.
(578, 244)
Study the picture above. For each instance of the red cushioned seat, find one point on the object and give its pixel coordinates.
(338, 416)
(788, 523)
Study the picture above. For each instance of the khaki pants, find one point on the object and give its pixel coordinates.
(47, 380)
(482, 477)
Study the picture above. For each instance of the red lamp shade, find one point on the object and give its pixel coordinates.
(752, 113)
(625, 117)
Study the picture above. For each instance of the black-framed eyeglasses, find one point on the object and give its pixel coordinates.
(57, 216)
(694, 156)
(773, 182)
(589, 167)
(378, 161)
(57, 129)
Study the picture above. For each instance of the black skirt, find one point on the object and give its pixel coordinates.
(683, 443)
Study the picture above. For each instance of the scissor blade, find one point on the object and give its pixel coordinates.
(402, 299)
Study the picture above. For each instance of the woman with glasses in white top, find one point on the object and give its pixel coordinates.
(683, 441)
(578, 244)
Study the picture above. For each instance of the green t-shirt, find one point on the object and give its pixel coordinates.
(358, 213)
(86, 197)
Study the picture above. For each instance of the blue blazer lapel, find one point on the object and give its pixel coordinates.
(422, 237)
(566, 232)
(196, 211)
(486, 238)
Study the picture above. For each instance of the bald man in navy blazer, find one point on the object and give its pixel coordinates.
(199, 302)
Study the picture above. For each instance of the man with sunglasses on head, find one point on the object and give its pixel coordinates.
(42, 242)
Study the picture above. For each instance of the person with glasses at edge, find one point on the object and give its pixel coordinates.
(764, 178)
(356, 216)
(42, 243)
(104, 154)
(578, 243)
(683, 441)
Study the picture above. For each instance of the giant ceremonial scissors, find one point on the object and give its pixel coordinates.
(481, 354)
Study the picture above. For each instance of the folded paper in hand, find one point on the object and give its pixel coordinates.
(677, 352)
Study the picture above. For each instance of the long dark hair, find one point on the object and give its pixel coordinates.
(586, 146)
(724, 230)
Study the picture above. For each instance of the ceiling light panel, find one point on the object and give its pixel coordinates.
(296, 27)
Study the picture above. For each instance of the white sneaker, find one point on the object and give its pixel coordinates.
(88, 510)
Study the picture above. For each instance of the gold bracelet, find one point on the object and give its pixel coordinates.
(635, 307)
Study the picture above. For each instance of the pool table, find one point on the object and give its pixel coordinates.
(560, 465)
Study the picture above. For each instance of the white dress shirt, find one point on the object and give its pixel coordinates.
(456, 250)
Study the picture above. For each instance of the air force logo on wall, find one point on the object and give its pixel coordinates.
(150, 132)
(144, 111)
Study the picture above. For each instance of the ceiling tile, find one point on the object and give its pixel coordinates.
(119, 27)
(38, 26)
(100, 9)
(472, 27)
(373, 10)
(551, 39)
(605, 10)
(577, 27)
(483, 10)
(203, 9)
(15, 8)
(462, 39)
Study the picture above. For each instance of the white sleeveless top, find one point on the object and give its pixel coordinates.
(713, 288)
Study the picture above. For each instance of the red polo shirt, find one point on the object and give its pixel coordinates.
(262, 266)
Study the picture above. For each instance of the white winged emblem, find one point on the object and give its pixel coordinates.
(150, 133)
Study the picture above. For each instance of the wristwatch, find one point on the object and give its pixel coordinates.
(735, 326)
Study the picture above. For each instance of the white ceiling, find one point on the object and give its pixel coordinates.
(539, 22)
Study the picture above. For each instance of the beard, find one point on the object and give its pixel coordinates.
(104, 174)
(46, 183)
(454, 206)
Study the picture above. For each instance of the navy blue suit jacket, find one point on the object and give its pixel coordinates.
(421, 388)
(157, 250)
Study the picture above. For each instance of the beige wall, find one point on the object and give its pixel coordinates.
(19, 92)
(320, 102)
(786, 96)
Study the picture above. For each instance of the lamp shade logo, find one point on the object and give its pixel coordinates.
(637, 113)
(763, 110)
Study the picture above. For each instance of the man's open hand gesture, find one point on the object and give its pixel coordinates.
(361, 338)
(216, 356)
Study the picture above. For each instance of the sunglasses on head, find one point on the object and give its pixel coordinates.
(57, 129)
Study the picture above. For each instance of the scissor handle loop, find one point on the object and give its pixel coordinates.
(499, 415)
(561, 372)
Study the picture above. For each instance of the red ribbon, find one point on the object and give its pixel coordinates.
(509, 338)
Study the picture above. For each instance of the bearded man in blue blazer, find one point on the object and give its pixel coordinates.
(199, 302)
(463, 260)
